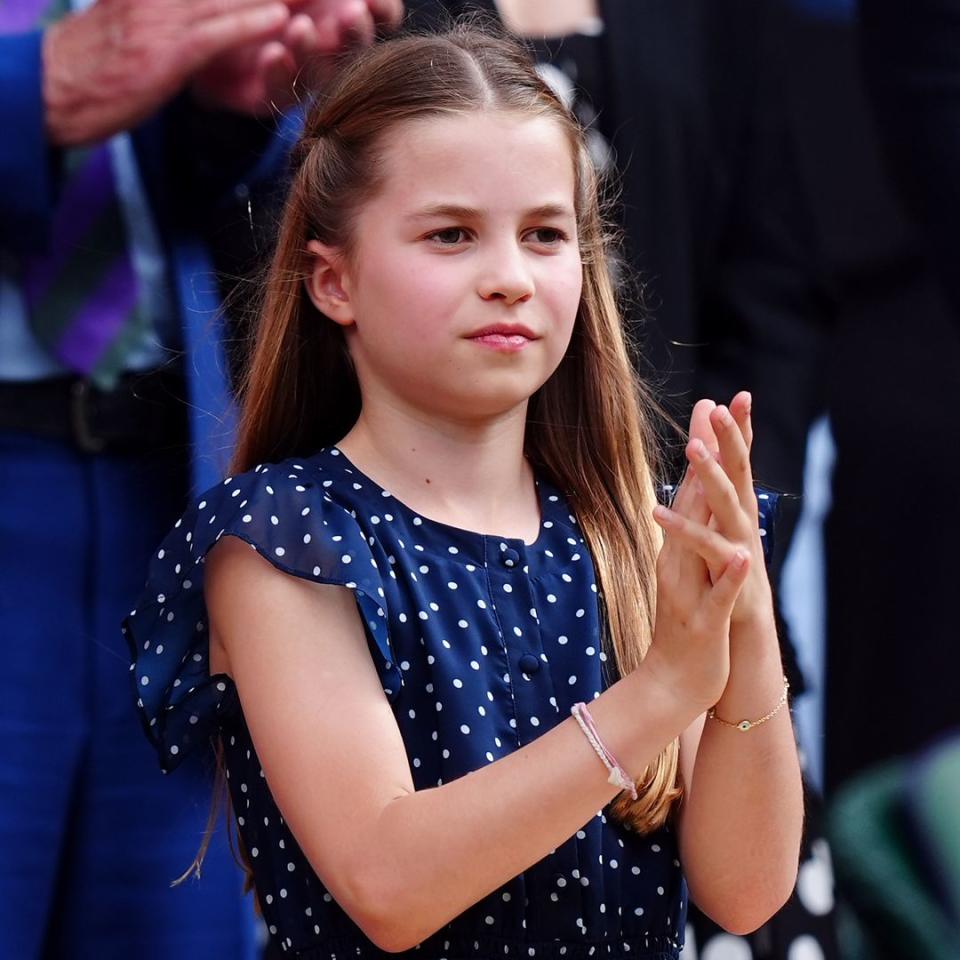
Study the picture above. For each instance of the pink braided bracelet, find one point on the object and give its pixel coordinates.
(618, 776)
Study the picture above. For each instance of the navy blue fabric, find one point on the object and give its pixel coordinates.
(190, 162)
(26, 166)
(91, 833)
(482, 645)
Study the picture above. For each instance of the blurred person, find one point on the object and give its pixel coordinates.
(126, 123)
(911, 59)
(894, 350)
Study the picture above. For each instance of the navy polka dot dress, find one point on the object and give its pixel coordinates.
(482, 644)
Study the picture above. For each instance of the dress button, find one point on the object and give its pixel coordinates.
(529, 663)
(510, 558)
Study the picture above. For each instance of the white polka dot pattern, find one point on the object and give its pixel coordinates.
(482, 644)
(175, 684)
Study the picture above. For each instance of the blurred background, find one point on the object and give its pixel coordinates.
(789, 198)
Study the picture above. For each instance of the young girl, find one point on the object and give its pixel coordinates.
(471, 703)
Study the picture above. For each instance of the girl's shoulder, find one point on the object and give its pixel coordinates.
(300, 515)
(297, 513)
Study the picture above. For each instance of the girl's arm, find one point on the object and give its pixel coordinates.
(742, 814)
(741, 820)
(402, 863)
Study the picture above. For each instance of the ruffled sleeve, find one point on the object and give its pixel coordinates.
(290, 520)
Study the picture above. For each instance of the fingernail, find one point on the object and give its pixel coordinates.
(699, 450)
(724, 415)
(662, 513)
(749, 402)
(740, 559)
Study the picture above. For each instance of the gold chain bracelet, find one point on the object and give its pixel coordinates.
(745, 725)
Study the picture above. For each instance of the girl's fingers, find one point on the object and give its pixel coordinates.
(683, 563)
(723, 595)
(698, 510)
(710, 546)
(721, 495)
(700, 426)
(733, 448)
(734, 454)
(685, 492)
(740, 407)
(727, 435)
(700, 429)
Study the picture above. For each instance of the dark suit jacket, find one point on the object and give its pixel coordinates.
(890, 377)
(191, 162)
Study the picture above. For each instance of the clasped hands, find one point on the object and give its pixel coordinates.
(712, 589)
(110, 66)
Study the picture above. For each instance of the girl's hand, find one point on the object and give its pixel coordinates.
(690, 653)
(728, 435)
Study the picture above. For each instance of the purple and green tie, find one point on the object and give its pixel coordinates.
(82, 294)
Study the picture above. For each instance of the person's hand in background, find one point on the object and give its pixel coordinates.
(266, 75)
(112, 65)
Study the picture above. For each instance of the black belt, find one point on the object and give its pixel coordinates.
(146, 411)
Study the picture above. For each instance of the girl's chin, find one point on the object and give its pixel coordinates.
(453, 403)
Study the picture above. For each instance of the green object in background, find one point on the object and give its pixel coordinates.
(933, 809)
(895, 838)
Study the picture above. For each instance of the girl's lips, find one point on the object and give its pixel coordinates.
(508, 343)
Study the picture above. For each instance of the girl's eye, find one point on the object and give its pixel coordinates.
(550, 236)
(449, 237)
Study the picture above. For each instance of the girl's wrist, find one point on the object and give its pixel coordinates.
(756, 626)
(670, 687)
(756, 676)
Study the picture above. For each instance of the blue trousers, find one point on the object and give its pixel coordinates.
(91, 833)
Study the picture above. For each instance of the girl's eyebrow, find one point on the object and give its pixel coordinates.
(455, 211)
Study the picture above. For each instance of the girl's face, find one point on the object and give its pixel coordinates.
(461, 295)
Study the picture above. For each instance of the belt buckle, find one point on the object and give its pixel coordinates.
(83, 434)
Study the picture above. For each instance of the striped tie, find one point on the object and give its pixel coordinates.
(82, 295)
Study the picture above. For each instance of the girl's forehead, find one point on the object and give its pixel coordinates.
(491, 154)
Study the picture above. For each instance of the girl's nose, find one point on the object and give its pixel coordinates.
(506, 276)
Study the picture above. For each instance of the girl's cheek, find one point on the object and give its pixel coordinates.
(433, 289)
(567, 272)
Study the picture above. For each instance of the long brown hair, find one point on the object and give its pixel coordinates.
(589, 428)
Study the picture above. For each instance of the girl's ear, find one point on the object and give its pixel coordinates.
(326, 284)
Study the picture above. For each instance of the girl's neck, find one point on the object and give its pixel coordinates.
(468, 476)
